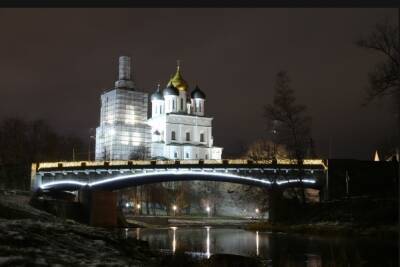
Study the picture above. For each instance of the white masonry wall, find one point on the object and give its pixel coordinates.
(181, 148)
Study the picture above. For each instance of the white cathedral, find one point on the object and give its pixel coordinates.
(178, 128)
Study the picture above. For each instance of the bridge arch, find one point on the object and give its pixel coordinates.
(129, 180)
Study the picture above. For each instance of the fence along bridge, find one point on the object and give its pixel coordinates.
(114, 175)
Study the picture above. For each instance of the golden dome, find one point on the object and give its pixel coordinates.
(177, 81)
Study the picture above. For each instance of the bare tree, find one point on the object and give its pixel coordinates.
(286, 119)
(384, 77)
(266, 149)
(288, 124)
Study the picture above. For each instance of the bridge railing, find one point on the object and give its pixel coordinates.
(74, 164)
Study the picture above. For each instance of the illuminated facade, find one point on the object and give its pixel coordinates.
(123, 132)
(179, 128)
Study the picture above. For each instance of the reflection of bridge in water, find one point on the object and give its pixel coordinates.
(109, 176)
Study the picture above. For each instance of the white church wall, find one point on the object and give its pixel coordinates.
(216, 153)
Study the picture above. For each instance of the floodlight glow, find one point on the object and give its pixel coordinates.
(176, 172)
(179, 173)
(282, 182)
(51, 184)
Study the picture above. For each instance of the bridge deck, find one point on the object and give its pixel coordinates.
(162, 164)
(119, 174)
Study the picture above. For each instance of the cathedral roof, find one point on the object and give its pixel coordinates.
(157, 95)
(170, 90)
(197, 93)
(178, 81)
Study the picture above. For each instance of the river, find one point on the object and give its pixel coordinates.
(277, 249)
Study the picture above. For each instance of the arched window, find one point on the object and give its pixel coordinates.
(199, 106)
(187, 136)
(206, 156)
(175, 155)
(181, 103)
(187, 155)
(173, 104)
(160, 109)
(173, 135)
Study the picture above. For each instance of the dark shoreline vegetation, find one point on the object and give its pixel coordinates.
(357, 216)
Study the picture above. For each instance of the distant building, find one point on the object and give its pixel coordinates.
(123, 132)
(177, 129)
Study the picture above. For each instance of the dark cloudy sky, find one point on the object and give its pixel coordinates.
(55, 63)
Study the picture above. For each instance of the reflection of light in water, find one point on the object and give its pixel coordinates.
(173, 239)
(208, 242)
(137, 233)
(126, 233)
(257, 244)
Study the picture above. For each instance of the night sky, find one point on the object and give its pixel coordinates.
(55, 63)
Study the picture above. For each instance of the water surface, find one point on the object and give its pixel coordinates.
(278, 249)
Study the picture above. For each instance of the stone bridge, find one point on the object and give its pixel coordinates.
(114, 175)
(96, 181)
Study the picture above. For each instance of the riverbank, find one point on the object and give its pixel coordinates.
(29, 236)
(188, 221)
(357, 216)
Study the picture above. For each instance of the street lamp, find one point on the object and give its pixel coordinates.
(208, 209)
(257, 211)
(138, 206)
(174, 208)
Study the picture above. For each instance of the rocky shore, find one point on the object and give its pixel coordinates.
(30, 237)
